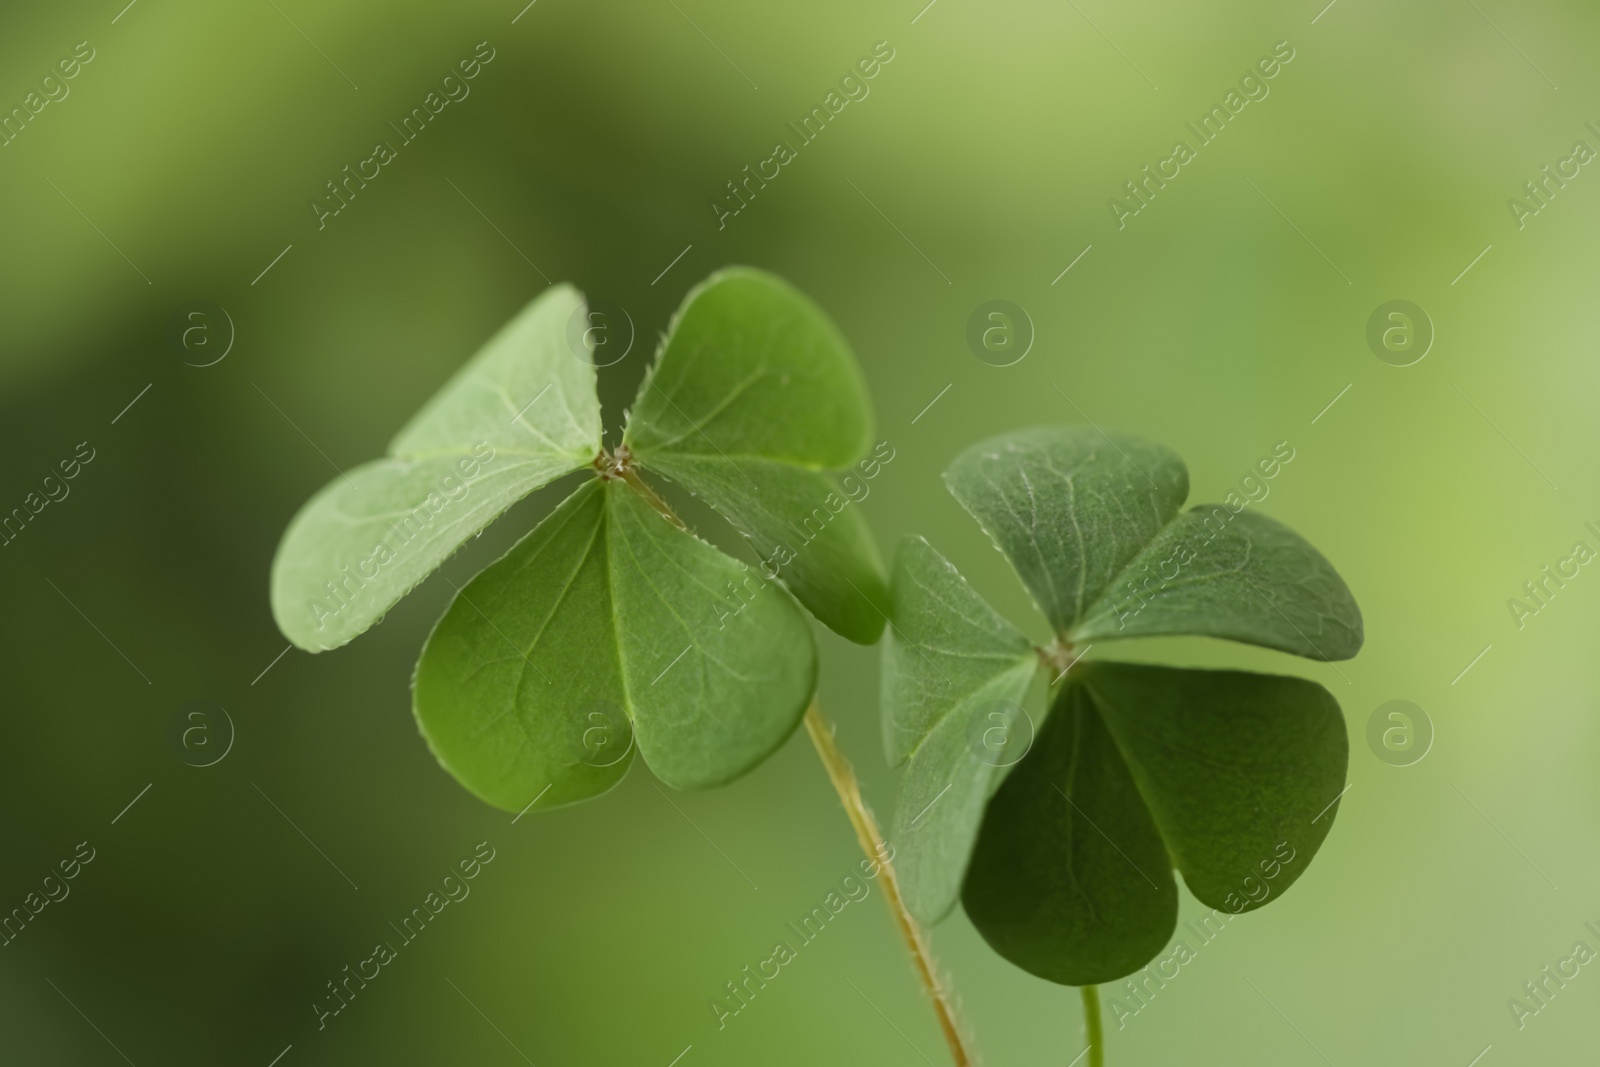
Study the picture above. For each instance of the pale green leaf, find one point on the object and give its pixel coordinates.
(525, 391)
(521, 413)
(948, 782)
(946, 644)
(955, 675)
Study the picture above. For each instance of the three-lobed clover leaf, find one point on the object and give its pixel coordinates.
(611, 626)
(1063, 856)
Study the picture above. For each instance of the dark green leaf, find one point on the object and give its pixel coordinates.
(1069, 507)
(1233, 775)
(1238, 770)
(1238, 575)
(1091, 525)
(1069, 879)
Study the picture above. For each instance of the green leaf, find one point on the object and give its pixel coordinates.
(525, 391)
(755, 392)
(1070, 880)
(512, 675)
(1233, 775)
(1238, 575)
(955, 674)
(751, 367)
(606, 609)
(520, 414)
(749, 663)
(946, 785)
(1069, 507)
(946, 644)
(1091, 525)
(806, 530)
(1232, 765)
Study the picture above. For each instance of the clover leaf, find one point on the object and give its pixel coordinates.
(1063, 852)
(607, 610)
(522, 413)
(611, 626)
(753, 433)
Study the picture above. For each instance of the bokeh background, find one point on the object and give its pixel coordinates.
(1223, 319)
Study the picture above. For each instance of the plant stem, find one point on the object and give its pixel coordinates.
(844, 781)
(1091, 1019)
(642, 487)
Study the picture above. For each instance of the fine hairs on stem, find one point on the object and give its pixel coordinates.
(843, 777)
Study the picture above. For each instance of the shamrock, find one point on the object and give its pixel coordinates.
(1061, 842)
(611, 627)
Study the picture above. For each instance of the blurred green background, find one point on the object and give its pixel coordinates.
(1223, 319)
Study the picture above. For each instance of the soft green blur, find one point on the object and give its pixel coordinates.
(1222, 320)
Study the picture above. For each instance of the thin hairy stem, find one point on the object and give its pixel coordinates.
(1091, 1022)
(844, 781)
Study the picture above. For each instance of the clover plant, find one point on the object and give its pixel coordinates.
(1061, 843)
(611, 627)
